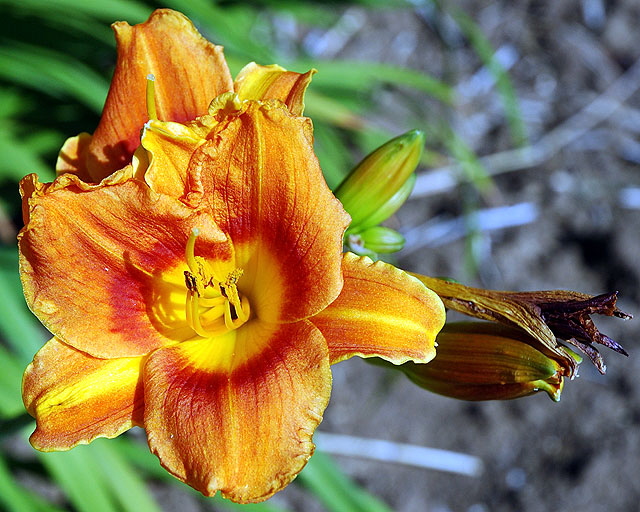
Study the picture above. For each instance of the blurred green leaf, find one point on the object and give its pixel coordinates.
(10, 384)
(75, 472)
(22, 156)
(472, 169)
(234, 27)
(15, 498)
(105, 10)
(363, 76)
(333, 154)
(53, 73)
(18, 327)
(126, 484)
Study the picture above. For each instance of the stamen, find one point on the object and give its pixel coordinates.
(244, 310)
(229, 288)
(211, 302)
(151, 97)
(196, 323)
(212, 307)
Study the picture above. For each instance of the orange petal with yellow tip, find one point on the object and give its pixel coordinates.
(381, 312)
(189, 72)
(76, 398)
(236, 414)
(102, 266)
(255, 82)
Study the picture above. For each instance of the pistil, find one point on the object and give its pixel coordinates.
(151, 97)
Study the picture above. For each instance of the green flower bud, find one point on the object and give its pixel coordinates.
(487, 361)
(380, 184)
(391, 206)
(376, 239)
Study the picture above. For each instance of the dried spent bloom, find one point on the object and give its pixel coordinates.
(544, 315)
(488, 361)
(200, 292)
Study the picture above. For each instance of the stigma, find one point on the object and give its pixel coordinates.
(214, 305)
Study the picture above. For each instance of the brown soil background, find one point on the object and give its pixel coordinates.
(584, 452)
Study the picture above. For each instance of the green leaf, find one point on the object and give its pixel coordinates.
(333, 154)
(105, 10)
(10, 381)
(75, 472)
(15, 498)
(472, 169)
(18, 327)
(233, 27)
(21, 156)
(362, 76)
(53, 73)
(124, 483)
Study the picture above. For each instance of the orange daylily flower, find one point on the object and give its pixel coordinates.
(200, 292)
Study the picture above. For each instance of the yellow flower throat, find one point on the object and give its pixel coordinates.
(213, 306)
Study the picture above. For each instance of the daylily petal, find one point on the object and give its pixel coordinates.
(237, 413)
(72, 156)
(381, 312)
(255, 82)
(170, 148)
(259, 176)
(189, 70)
(76, 398)
(102, 266)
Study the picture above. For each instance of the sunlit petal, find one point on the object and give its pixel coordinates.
(171, 148)
(76, 398)
(72, 157)
(102, 266)
(236, 414)
(381, 312)
(262, 181)
(255, 82)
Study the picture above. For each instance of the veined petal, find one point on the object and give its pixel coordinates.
(236, 413)
(255, 82)
(102, 266)
(381, 312)
(76, 398)
(189, 70)
(259, 176)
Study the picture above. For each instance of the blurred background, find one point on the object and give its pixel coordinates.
(530, 180)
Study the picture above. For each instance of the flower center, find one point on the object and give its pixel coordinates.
(214, 306)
